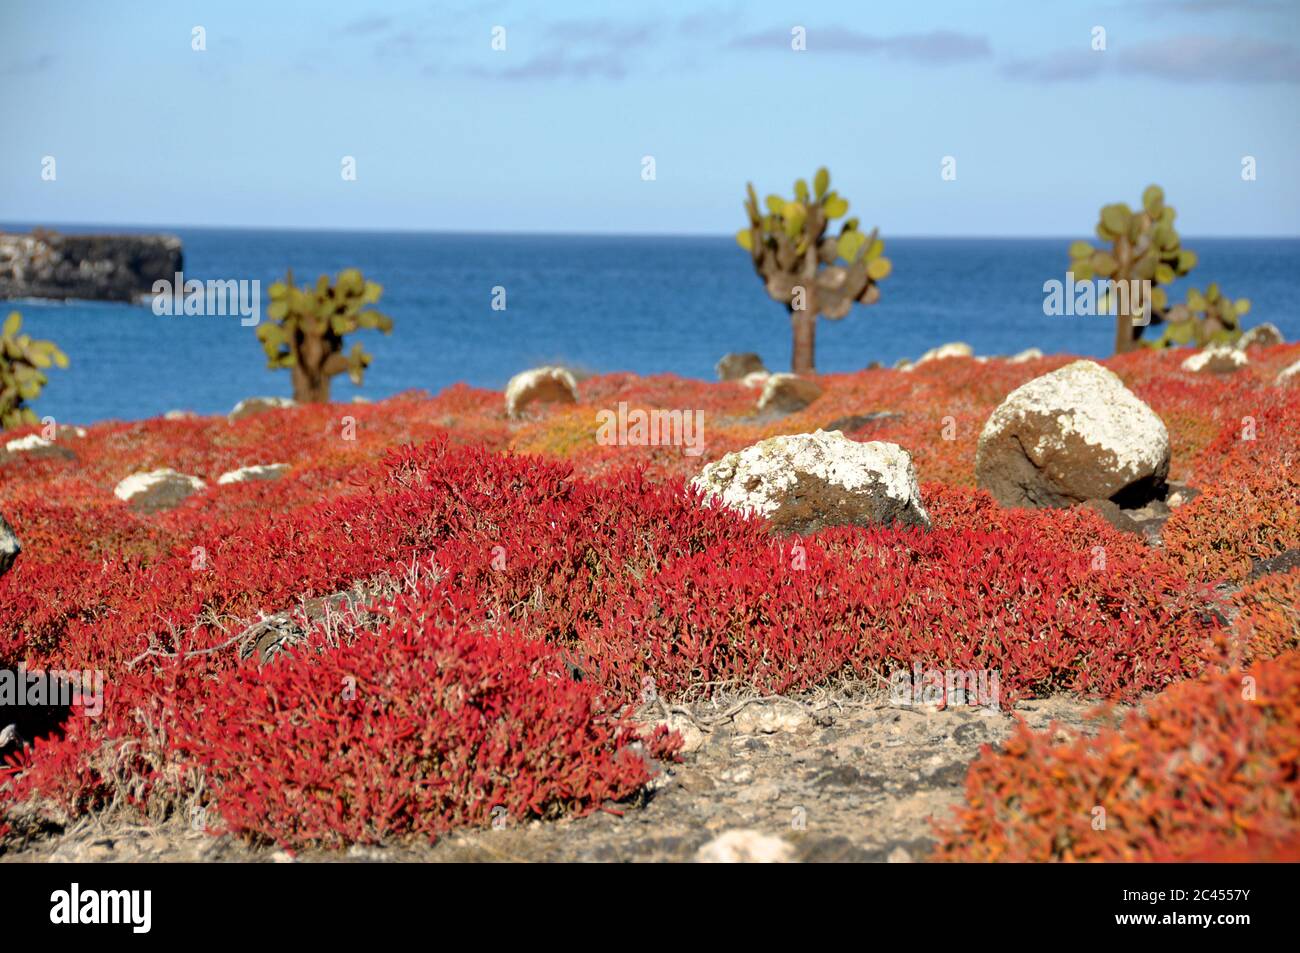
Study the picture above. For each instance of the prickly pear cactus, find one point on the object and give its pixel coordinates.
(808, 271)
(1141, 245)
(307, 325)
(23, 363)
(1208, 317)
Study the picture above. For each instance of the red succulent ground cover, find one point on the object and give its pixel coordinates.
(553, 555)
(1208, 769)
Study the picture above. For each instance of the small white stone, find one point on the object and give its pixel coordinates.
(769, 719)
(742, 846)
(269, 471)
(540, 385)
(692, 736)
(138, 483)
(1289, 373)
(944, 351)
(1216, 359)
(32, 441)
(1028, 354)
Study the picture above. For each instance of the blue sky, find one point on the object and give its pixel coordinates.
(549, 134)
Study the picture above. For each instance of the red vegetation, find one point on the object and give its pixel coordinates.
(598, 563)
(421, 727)
(1269, 620)
(1209, 767)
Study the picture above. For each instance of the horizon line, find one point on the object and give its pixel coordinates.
(373, 230)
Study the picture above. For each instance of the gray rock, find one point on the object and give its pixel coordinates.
(259, 405)
(734, 367)
(1072, 435)
(1261, 335)
(848, 425)
(786, 393)
(804, 482)
(1283, 562)
(157, 490)
(9, 546)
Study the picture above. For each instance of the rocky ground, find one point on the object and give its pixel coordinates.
(846, 778)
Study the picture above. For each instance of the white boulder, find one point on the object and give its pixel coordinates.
(33, 441)
(804, 482)
(1074, 434)
(541, 385)
(944, 351)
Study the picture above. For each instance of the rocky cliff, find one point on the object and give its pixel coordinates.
(45, 264)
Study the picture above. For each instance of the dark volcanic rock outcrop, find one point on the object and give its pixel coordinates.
(45, 264)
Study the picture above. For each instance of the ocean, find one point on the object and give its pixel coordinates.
(595, 303)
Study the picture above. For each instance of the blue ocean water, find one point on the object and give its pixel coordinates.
(643, 304)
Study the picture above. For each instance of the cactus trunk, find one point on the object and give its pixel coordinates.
(311, 377)
(309, 388)
(1124, 340)
(805, 341)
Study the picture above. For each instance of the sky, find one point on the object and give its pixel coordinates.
(550, 134)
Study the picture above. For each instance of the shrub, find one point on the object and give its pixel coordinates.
(424, 726)
(1219, 535)
(851, 602)
(1206, 767)
(1268, 622)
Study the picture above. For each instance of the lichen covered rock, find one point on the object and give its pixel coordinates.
(157, 490)
(1072, 435)
(804, 482)
(786, 393)
(1216, 359)
(260, 405)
